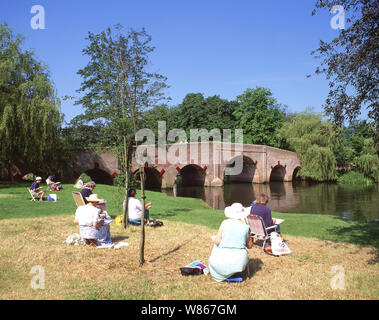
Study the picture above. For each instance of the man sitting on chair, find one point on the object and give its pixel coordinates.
(87, 217)
(36, 189)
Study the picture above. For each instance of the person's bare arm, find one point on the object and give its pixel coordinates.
(98, 224)
(218, 238)
(249, 241)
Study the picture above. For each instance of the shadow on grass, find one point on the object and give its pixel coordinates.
(171, 251)
(170, 213)
(254, 266)
(362, 234)
(119, 238)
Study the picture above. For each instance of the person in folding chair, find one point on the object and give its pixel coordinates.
(36, 189)
(261, 209)
(88, 219)
(229, 255)
(87, 190)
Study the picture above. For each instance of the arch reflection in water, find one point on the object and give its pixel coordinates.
(244, 193)
(357, 203)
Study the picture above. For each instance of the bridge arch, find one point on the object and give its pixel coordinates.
(294, 174)
(248, 170)
(192, 175)
(153, 178)
(99, 176)
(278, 173)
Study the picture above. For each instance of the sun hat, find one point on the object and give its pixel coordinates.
(93, 198)
(90, 184)
(236, 211)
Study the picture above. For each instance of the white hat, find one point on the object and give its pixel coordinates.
(236, 211)
(38, 178)
(93, 198)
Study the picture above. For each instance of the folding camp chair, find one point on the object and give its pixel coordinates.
(90, 242)
(34, 198)
(258, 229)
(78, 198)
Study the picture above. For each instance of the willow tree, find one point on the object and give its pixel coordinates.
(315, 141)
(30, 119)
(117, 87)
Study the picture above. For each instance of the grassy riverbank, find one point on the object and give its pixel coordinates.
(32, 233)
(15, 204)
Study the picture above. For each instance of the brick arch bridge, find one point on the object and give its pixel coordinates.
(197, 163)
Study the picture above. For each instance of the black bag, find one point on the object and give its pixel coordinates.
(155, 223)
(188, 271)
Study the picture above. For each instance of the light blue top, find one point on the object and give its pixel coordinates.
(230, 256)
(234, 234)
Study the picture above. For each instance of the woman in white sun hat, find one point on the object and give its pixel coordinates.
(229, 254)
(88, 219)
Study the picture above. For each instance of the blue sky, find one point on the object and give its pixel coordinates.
(213, 47)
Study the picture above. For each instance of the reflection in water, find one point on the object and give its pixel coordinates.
(357, 203)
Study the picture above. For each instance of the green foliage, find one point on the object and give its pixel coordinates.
(367, 162)
(350, 62)
(353, 177)
(315, 141)
(30, 119)
(197, 112)
(117, 85)
(85, 177)
(260, 117)
(160, 113)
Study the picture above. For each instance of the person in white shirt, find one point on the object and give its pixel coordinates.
(87, 217)
(79, 183)
(135, 208)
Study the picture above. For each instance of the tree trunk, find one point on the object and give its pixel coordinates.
(126, 171)
(142, 242)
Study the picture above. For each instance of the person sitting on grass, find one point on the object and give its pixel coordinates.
(54, 186)
(88, 219)
(229, 255)
(135, 208)
(79, 183)
(261, 209)
(36, 189)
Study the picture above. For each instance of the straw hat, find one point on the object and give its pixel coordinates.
(236, 211)
(94, 198)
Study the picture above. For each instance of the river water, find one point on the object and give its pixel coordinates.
(349, 202)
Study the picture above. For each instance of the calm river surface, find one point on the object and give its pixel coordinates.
(349, 202)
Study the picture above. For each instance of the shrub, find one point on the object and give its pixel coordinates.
(85, 177)
(353, 177)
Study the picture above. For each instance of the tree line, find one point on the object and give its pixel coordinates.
(113, 88)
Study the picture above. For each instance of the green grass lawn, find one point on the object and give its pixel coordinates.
(16, 204)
